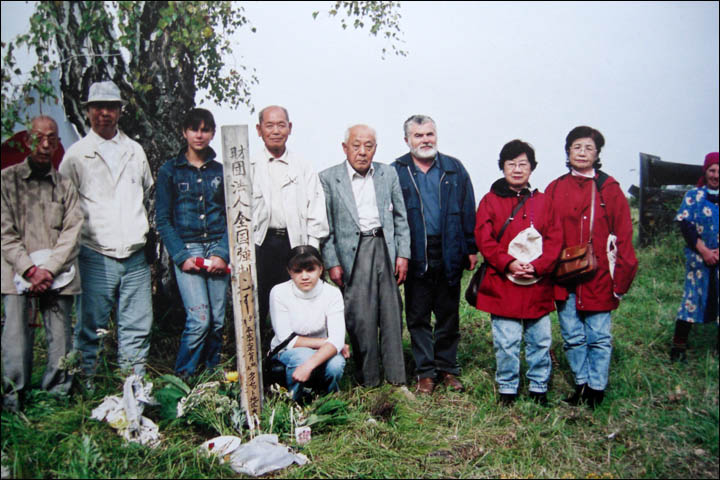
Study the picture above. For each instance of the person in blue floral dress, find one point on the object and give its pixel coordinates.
(698, 217)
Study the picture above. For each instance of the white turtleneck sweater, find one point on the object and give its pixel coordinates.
(319, 313)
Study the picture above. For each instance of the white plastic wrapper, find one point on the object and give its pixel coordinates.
(125, 414)
(257, 457)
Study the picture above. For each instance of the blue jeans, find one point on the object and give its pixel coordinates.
(507, 335)
(330, 373)
(204, 297)
(106, 283)
(587, 343)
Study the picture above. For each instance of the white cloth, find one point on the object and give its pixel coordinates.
(303, 200)
(363, 189)
(40, 258)
(525, 247)
(115, 217)
(611, 250)
(319, 313)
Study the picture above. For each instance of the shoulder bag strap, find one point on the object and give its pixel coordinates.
(599, 182)
(511, 217)
(592, 211)
(282, 345)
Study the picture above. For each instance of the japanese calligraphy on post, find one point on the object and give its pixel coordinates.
(238, 204)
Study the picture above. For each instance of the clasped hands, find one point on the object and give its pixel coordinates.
(520, 269)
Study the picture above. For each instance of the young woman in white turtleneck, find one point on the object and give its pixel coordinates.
(314, 310)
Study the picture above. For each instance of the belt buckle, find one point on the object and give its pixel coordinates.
(375, 231)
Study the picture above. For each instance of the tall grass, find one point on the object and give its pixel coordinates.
(659, 420)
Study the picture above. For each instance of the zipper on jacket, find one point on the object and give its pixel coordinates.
(422, 212)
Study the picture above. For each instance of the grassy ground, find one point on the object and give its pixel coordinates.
(659, 420)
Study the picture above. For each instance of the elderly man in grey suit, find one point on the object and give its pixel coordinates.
(367, 254)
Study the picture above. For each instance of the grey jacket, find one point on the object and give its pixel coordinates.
(340, 247)
(35, 215)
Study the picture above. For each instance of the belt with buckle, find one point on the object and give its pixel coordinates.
(278, 232)
(374, 232)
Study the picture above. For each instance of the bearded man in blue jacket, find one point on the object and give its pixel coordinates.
(440, 207)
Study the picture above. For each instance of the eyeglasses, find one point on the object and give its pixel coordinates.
(579, 148)
(520, 165)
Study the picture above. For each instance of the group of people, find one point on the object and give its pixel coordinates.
(369, 225)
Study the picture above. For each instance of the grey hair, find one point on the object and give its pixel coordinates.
(418, 120)
(44, 117)
(347, 131)
(260, 115)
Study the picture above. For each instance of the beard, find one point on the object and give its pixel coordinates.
(424, 153)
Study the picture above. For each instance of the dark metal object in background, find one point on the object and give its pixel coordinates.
(657, 203)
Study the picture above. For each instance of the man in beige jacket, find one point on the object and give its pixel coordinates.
(40, 223)
(288, 205)
(113, 179)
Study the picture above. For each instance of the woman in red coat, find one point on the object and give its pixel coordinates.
(584, 307)
(517, 290)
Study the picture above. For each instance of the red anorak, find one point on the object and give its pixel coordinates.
(497, 294)
(570, 199)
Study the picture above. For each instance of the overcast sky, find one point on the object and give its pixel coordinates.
(643, 73)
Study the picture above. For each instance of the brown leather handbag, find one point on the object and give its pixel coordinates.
(578, 263)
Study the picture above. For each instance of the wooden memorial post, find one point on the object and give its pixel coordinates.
(238, 205)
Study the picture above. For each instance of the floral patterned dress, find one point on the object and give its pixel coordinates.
(697, 209)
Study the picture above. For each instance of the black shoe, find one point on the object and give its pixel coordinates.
(678, 354)
(576, 397)
(540, 398)
(507, 399)
(593, 398)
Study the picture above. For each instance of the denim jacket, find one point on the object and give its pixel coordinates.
(190, 206)
(457, 213)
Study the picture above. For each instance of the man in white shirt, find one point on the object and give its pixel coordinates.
(366, 254)
(113, 179)
(288, 205)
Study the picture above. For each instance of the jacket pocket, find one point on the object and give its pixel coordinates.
(54, 215)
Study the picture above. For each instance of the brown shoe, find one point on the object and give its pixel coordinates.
(425, 385)
(451, 382)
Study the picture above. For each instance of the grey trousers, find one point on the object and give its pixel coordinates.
(18, 338)
(372, 303)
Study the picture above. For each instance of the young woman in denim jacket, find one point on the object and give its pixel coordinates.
(190, 216)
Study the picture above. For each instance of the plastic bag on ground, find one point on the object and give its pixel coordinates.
(125, 414)
(257, 457)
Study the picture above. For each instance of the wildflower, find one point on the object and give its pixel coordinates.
(231, 376)
(70, 362)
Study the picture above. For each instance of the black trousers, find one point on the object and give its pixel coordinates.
(271, 260)
(434, 350)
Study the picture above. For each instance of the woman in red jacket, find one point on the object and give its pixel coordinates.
(584, 307)
(516, 289)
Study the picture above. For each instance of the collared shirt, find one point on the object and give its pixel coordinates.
(110, 151)
(38, 213)
(429, 185)
(278, 172)
(364, 192)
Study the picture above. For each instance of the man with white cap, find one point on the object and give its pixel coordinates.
(113, 179)
(40, 223)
